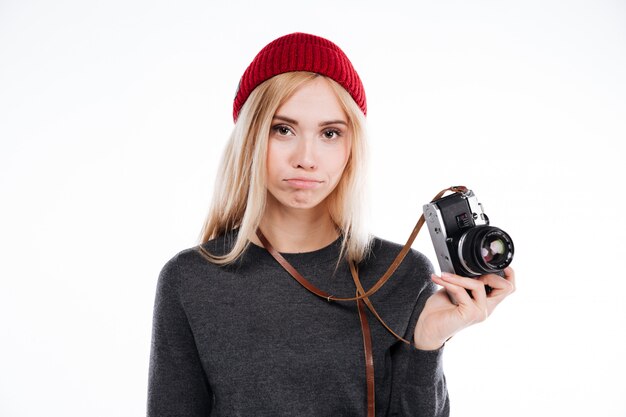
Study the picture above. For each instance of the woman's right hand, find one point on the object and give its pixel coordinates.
(441, 318)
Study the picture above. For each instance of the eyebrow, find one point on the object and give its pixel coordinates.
(321, 124)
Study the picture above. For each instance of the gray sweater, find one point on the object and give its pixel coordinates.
(248, 340)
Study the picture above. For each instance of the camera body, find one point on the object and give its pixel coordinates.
(464, 242)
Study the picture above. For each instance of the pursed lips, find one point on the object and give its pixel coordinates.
(303, 182)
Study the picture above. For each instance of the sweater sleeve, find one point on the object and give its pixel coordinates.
(177, 384)
(419, 387)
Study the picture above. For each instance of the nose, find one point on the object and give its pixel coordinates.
(304, 154)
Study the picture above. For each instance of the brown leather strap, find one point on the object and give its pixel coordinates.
(360, 290)
(293, 271)
(361, 293)
(360, 300)
(369, 360)
(407, 246)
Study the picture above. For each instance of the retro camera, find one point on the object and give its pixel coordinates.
(464, 241)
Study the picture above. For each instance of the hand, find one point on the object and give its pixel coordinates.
(441, 319)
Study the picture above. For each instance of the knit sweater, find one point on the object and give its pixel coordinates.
(248, 340)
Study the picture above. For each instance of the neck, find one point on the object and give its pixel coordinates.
(296, 230)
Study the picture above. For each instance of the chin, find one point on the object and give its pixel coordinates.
(299, 201)
(304, 205)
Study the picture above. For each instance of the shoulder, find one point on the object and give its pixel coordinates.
(385, 251)
(171, 272)
(411, 276)
(190, 262)
(405, 291)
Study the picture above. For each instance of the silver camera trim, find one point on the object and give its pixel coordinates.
(460, 255)
(438, 234)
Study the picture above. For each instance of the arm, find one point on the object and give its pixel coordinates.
(421, 386)
(419, 383)
(177, 385)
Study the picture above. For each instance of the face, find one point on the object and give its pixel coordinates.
(308, 147)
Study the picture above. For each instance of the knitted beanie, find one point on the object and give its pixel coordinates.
(300, 52)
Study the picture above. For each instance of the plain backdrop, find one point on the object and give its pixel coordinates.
(113, 115)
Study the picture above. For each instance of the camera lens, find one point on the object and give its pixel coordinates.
(493, 250)
(485, 249)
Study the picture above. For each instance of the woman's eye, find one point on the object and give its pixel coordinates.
(332, 134)
(282, 130)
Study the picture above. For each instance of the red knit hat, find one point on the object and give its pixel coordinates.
(300, 52)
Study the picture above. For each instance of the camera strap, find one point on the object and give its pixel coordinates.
(362, 296)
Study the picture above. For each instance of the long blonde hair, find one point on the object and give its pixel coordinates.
(240, 191)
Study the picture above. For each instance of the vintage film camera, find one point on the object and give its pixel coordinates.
(464, 242)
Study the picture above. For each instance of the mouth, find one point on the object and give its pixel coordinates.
(303, 183)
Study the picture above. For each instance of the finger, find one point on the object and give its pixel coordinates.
(509, 275)
(476, 287)
(458, 295)
(505, 284)
(472, 309)
(500, 287)
(477, 309)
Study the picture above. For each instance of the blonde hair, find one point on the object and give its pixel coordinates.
(240, 191)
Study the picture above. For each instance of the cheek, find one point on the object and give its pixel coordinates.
(342, 159)
(337, 162)
(274, 159)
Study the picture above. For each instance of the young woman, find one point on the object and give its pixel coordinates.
(251, 322)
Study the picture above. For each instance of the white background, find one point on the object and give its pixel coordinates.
(113, 116)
